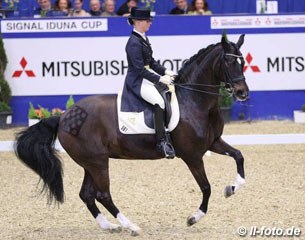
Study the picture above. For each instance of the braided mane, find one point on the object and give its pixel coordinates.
(197, 57)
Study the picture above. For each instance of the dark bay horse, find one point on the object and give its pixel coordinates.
(89, 133)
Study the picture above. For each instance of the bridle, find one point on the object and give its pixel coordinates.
(227, 77)
(228, 80)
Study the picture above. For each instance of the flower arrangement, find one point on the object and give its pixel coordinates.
(41, 112)
(38, 113)
(56, 112)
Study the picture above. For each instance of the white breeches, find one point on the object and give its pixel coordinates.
(150, 94)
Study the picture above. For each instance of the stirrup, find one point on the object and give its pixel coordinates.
(166, 148)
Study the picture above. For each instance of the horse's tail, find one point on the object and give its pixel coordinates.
(34, 146)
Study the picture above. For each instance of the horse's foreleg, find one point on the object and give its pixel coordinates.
(88, 194)
(221, 147)
(197, 169)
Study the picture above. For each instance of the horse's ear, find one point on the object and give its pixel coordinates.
(225, 44)
(240, 41)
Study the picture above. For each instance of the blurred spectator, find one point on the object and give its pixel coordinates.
(78, 10)
(95, 8)
(199, 7)
(62, 7)
(181, 7)
(44, 9)
(125, 8)
(109, 8)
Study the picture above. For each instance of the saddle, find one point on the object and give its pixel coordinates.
(142, 122)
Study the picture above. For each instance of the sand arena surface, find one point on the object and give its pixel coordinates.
(159, 195)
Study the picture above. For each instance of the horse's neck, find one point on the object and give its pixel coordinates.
(203, 77)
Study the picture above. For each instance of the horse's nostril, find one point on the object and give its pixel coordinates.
(239, 93)
(243, 95)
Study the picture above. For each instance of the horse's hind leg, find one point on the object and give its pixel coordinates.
(105, 198)
(221, 147)
(100, 175)
(87, 194)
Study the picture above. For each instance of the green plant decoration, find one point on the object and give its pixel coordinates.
(5, 90)
(45, 112)
(32, 112)
(38, 113)
(70, 102)
(4, 107)
(225, 98)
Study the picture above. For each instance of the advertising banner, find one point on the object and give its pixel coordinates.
(51, 59)
(258, 21)
(59, 66)
(49, 25)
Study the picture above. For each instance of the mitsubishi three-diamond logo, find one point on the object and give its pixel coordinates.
(249, 64)
(23, 64)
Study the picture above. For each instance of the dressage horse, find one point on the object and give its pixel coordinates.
(88, 131)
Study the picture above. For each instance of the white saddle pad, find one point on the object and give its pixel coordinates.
(133, 122)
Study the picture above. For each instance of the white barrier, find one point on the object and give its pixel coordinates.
(259, 139)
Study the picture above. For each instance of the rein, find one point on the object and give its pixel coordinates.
(228, 81)
(185, 86)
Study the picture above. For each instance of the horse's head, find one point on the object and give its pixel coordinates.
(232, 66)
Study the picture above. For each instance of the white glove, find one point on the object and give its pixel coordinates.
(169, 73)
(165, 79)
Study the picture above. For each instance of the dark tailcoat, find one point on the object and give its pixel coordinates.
(139, 55)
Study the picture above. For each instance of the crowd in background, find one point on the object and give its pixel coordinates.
(108, 8)
(75, 8)
(25, 8)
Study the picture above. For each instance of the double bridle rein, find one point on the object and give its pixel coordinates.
(229, 81)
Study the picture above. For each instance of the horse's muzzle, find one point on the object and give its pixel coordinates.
(241, 91)
(242, 95)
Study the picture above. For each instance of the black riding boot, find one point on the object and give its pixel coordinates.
(163, 142)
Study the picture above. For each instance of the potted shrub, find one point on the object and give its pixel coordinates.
(5, 115)
(299, 115)
(5, 91)
(225, 103)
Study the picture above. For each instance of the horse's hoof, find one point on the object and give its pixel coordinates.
(134, 233)
(134, 230)
(117, 229)
(191, 221)
(228, 191)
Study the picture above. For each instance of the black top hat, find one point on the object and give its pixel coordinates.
(139, 14)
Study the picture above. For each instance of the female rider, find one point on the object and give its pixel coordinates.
(144, 73)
